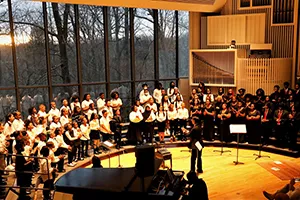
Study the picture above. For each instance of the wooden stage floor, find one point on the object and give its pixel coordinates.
(224, 179)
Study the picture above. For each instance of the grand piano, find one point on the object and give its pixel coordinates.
(122, 183)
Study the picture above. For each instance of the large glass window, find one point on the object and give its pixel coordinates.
(144, 44)
(119, 43)
(183, 43)
(6, 66)
(92, 43)
(124, 90)
(167, 43)
(60, 93)
(30, 42)
(62, 43)
(94, 91)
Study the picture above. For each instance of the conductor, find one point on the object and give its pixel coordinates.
(195, 140)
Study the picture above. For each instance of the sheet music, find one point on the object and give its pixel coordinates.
(198, 145)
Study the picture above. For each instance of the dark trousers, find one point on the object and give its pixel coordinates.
(84, 148)
(118, 137)
(60, 163)
(10, 151)
(148, 131)
(196, 155)
(71, 154)
(48, 186)
(173, 127)
(266, 132)
(182, 124)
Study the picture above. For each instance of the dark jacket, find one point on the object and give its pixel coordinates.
(195, 136)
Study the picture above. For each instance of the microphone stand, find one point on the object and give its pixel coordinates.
(221, 133)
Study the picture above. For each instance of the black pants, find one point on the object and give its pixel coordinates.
(173, 127)
(10, 151)
(148, 131)
(267, 132)
(182, 124)
(60, 163)
(84, 148)
(118, 137)
(72, 154)
(196, 155)
(48, 185)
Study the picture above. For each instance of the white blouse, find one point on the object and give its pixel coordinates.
(135, 117)
(183, 113)
(85, 130)
(172, 115)
(161, 116)
(94, 124)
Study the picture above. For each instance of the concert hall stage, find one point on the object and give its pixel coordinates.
(224, 179)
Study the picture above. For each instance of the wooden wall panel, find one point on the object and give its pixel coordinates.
(236, 29)
(255, 29)
(216, 30)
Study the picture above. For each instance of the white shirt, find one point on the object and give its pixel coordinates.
(105, 122)
(64, 120)
(94, 124)
(145, 97)
(53, 140)
(133, 117)
(67, 133)
(66, 107)
(151, 117)
(40, 145)
(8, 129)
(166, 105)
(140, 109)
(172, 115)
(178, 104)
(157, 96)
(115, 102)
(173, 97)
(212, 98)
(153, 107)
(110, 112)
(90, 112)
(183, 113)
(45, 169)
(40, 129)
(31, 134)
(85, 130)
(161, 116)
(42, 114)
(100, 105)
(53, 125)
(85, 104)
(61, 142)
(53, 112)
(170, 92)
(74, 104)
(18, 125)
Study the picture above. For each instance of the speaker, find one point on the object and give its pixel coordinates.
(145, 160)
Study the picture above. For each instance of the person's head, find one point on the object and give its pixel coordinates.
(28, 125)
(17, 115)
(96, 162)
(224, 106)
(267, 106)
(163, 91)
(220, 91)
(291, 97)
(42, 120)
(94, 116)
(58, 131)
(183, 105)
(242, 91)
(267, 99)
(45, 151)
(151, 101)
(286, 85)
(65, 102)
(65, 112)
(92, 106)
(75, 124)
(52, 134)
(145, 87)
(252, 106)
(297, 86)
(178, 98)
(87, 97)
(77, 110)
(207, 102)
(104, 113)
(172, 84)
(194, 91)
(233, 98)
(176, 90)
(192, 177)
(42, 107)
(32, 111)
(9, 117)
(42, 136)
(208, 91)
(115, 95)
(171, 107)
(53, 104)
(101, 95)
(75, 98)
(20, 146)
(161, 108)
(55, 119)
(50, 145)
(195, 120)
(134, 108)
(137, 103)
(230, 91)
(165, 98)
(84, 120)
(276, 88)
(1, 127)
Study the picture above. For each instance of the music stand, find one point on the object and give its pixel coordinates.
(259, 151)
(237, 129)
(222, 142)
(108, 145)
